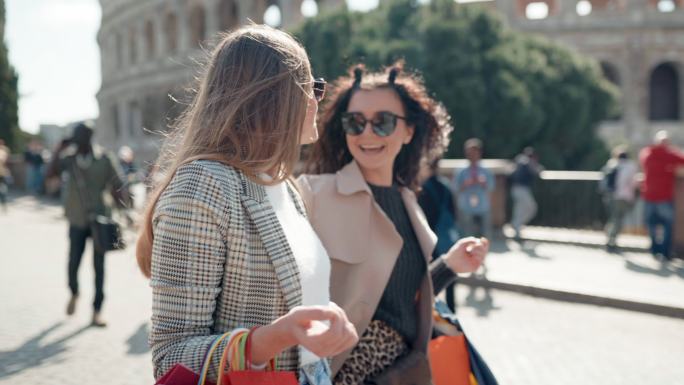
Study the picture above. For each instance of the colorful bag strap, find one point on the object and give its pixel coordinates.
(227, 352)
(207, 358)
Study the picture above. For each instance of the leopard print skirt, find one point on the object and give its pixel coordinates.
(378, 348)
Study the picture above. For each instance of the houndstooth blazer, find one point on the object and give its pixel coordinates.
(220, 260)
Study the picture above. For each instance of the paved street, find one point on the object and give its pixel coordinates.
(525, 340)
(39, 344)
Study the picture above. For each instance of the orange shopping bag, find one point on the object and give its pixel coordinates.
(449, 360)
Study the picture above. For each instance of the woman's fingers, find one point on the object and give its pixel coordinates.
(324, 340)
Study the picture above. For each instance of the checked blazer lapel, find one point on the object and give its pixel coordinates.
(255, 201)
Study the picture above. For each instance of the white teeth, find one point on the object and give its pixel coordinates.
(371, 147)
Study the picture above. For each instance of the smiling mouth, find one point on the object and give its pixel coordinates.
(372, 148)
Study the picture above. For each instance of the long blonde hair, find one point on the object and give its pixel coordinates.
(247, 112)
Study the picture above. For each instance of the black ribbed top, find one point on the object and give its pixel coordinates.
(397, 306)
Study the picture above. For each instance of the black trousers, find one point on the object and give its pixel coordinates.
(77, 242)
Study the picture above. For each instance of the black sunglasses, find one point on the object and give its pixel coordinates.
(319, 89)
(383, 123)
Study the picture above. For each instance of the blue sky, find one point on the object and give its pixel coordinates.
(52, 45)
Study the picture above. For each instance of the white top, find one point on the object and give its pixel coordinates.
(625, 180)
(311, 257)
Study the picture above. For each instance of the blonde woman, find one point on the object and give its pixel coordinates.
(225, 239)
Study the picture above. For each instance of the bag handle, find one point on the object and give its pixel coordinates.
(271, 364)
(228, 352)
(207, 358)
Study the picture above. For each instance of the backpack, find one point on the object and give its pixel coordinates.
(609, 179)
(522, 175)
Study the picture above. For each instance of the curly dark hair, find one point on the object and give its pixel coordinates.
(429, 118)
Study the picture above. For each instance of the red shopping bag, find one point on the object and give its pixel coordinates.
(245, 376)
(180, 375)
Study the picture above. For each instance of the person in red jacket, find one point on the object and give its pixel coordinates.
(659, 163)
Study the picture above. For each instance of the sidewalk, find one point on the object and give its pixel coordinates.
(591, 238)
(569, 265)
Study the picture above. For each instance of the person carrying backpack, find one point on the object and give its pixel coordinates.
(619, 188)
(527, 169)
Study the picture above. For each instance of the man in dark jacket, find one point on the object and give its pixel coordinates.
(90, 173)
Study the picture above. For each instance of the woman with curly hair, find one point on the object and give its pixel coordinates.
(376, 132)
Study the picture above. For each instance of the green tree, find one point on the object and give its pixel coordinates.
(510, 89)
(9, 127)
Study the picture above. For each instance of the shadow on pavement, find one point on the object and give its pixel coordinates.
(32, 353)
(499, 246)
(483, 305)
(665, 269)
(530, 248)
(137, 343)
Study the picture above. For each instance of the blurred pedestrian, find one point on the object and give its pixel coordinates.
(659, 162)
(129, 171)
(127, 163)
(436, 200)
(4, 174)
(33, 157)
(473, 186)
(527, 170)
(619, 186)
(90, 173)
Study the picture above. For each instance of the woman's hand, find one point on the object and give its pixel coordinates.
(467, 254)
(306, 326)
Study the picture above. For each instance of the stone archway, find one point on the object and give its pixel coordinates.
(171, 32)
(229, 14)
(612, 73)
(198, 24)
(664, 92)
(526, 8)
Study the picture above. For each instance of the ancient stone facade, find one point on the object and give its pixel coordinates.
(149, 54)
(639, 45)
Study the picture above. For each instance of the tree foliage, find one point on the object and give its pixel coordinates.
(9, 126)
(510, 89)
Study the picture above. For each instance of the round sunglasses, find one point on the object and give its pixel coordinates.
(383, 123)
(319, 88)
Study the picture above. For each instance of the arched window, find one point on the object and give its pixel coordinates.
(584, 7)
(664, 93)
(228, 13)
(150, 43)
(665, 6)
(611, 73)
(197, 24)
(171, 32)
(115, 120)
(536, 9)
(134, 118)
(132, 46)
(150, 114)
(172, 108)
(118, 41)
(273, 16)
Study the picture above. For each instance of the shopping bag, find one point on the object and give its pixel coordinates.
(452, 352)
(449, 360)
(242, 373)
(180, 374)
